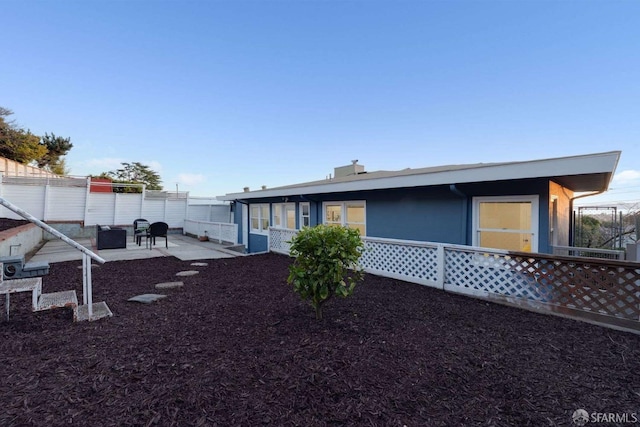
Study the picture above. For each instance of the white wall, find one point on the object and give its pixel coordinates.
(69, 200)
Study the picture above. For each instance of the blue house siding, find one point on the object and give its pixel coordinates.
(434, 215)
(258, 243)
(438, 203)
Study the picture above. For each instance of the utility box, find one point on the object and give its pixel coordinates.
(633, 252)
(15, 268)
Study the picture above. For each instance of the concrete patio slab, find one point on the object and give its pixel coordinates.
(182, 247)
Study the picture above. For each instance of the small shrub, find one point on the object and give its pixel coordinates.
(326, 263)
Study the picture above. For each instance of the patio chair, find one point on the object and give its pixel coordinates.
(140, 227)
(157, 229)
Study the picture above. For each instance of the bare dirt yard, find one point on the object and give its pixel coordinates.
(235, 346)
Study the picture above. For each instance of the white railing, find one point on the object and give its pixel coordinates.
(279, 239)
(220, 231)
(413, 261)
(588, 252)
(596, 290)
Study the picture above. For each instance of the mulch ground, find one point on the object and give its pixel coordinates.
(6, 224)
(235, 346)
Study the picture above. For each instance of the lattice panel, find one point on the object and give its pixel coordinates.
(591, 286)
(278, 239)
(491, 273)
(597, 286)
(412, 263)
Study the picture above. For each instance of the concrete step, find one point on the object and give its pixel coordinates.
(21, 285)
(39, 268)
(31, 284)
(58, 300)
(99, 310)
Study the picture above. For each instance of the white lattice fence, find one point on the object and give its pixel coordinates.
(480, 273)
(604, 291)
(279, 238)
(416, 262)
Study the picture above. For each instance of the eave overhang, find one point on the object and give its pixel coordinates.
(584, 173)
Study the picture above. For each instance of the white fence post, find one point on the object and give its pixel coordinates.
(86, 200)
(441, 267)
(45, 211)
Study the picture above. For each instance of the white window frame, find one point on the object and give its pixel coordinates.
(302, 216)
(343, 205)
(261, 217)
(280, 211)
(535, 216)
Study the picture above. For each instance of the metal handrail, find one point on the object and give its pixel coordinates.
(593, 252)
(26, 215)
(87, 292)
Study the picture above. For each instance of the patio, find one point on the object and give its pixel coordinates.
(235, 346)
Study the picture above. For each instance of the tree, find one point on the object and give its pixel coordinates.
(16, 143)
(134, 173)
(24, 147)
(57, 147)
(590, 232)
(326, 263)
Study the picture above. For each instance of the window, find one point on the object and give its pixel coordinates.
(259, 218)
(284, 215)
(509, 223)
(305, 215)
(350, 214)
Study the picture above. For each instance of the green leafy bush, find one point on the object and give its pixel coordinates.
(326, 263)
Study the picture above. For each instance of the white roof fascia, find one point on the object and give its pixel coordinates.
(564, 166)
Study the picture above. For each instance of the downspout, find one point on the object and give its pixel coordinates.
(465, 211)
(571, 217)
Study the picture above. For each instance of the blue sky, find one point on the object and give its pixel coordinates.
(219, 95)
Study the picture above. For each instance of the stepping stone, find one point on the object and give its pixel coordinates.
(169, 285)
(147, 298)
(199, 264)
(187, 273)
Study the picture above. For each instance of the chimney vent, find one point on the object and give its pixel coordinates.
(246, 189)
(353, 169)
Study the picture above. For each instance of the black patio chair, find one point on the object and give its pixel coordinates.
(140, 227)
(157, 229)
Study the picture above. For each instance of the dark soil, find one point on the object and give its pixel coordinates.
(236, 347)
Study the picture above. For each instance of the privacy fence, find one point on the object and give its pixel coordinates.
(600, 291)
(64, 199)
